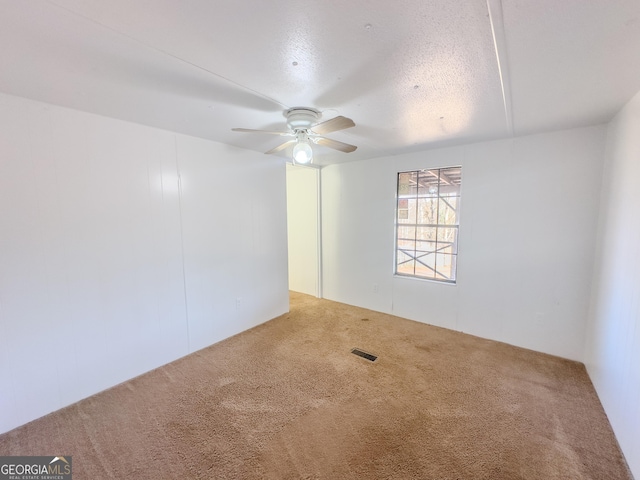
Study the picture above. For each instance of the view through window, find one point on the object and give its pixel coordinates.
(427, 221)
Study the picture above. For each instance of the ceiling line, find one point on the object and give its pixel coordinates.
(500, 44)
(164, 52)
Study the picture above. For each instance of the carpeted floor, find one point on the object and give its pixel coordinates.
(287, 400)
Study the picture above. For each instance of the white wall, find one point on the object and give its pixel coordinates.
(528, 222)
(302, 229)
(122, 248)
(613, 342)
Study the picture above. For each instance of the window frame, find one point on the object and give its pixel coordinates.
(438, 276)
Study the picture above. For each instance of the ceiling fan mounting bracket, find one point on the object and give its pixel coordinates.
(302, 118)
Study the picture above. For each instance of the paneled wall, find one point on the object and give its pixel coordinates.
(613, 346)
(124, 247)
(527, 227)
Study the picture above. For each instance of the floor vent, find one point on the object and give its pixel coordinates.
(362, 354)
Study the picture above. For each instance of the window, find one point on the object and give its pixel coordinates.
(427, 220)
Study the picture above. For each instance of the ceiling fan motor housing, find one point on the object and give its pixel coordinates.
(302, 118)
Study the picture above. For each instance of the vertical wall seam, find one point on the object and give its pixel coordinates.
(184, 268)
(319, 245)
(597, 246)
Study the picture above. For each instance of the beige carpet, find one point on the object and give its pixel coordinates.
(287, 400)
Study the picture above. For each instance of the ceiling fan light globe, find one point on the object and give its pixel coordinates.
(302, 153)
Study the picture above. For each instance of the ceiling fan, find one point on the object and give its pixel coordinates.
(304, 127)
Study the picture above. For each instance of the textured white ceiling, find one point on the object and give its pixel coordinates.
(412, 74)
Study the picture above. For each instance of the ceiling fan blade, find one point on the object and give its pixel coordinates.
(335, 144)
(333, 125)
(270, 132)
(282, 146)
